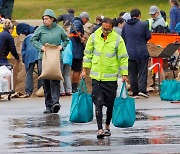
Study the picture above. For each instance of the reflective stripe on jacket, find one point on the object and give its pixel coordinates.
(107, 59)
(150, 21)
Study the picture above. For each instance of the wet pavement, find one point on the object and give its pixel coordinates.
(25, 129)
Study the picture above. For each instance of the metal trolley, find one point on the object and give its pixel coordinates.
(11, 91)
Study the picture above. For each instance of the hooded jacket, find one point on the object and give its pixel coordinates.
(136, 34)
(29, 52)
(54, 35)
(78, 47)
(23, 28)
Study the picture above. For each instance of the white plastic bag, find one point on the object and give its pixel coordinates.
(4, 71)
(0, 85)
(4, 86)
(120, 83)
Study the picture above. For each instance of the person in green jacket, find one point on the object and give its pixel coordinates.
(50, 33)
(106, 56)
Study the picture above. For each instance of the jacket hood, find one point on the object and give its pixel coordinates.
(49, 12)
(132, 21)
(23, 28)
(77, 18)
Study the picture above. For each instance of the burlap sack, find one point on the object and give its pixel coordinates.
(51, 63)
(154, 50)
(40, 92)
(178, 77)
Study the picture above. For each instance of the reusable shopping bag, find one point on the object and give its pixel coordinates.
(170, 90)
(67, 55)
(51, 63)
(124, 114)
(81, 106)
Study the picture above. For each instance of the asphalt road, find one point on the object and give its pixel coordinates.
(25, 129)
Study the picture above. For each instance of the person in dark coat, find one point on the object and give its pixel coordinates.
(29, 56)
(66, 18)
(7, 42)
(98, 23)
(77, 38)
(136, 34)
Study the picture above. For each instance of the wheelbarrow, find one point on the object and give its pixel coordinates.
(169, 44)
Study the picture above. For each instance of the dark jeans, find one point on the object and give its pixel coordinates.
(51, 92)
(29, 78)
(138, 73)
(103, 94)
(51, 89)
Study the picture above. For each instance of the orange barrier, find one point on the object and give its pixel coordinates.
(162, 40)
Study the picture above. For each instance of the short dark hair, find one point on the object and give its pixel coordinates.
(71, 11)
(99, 18)
(135, 13)
(118, 20)
(122, 13)
(108, 20)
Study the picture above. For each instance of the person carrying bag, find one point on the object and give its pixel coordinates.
(124, 114)
(81, 106)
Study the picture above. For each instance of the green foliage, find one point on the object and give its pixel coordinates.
(33, 9)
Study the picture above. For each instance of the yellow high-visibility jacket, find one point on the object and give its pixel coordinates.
(150, 21)
(108, 59)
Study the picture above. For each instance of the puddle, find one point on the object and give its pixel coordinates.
(55, 131)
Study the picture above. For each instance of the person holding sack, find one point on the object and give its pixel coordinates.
(105, 54)
(52, 34)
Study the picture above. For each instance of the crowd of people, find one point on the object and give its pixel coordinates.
(116, 48)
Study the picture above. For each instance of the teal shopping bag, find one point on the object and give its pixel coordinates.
(170, 90)
(124, 113)
(81, 106)
(67, 55)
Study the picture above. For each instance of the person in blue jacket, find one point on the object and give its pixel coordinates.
(174, 14)
(29, 56)
(77, 38)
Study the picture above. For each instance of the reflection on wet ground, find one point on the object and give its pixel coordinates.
(55, 131)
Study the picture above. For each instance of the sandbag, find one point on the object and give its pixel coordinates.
(40, 92)
(51, 63)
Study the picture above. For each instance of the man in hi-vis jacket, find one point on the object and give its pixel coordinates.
(105, 54)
